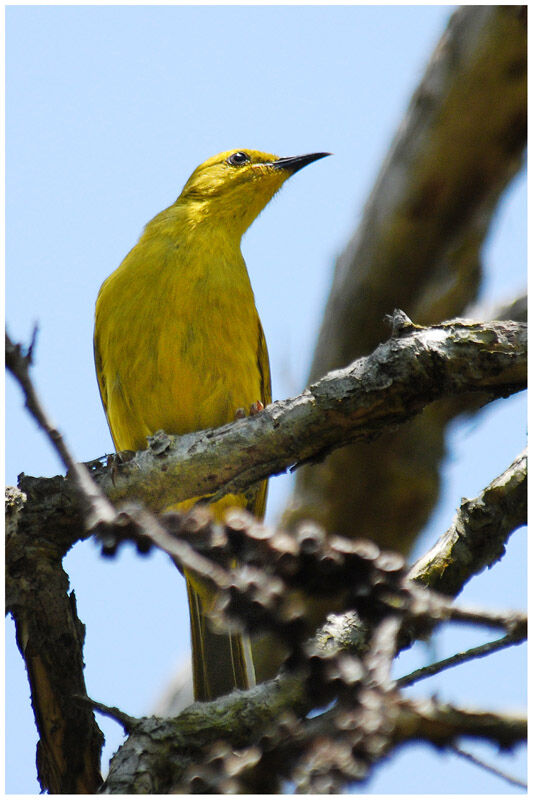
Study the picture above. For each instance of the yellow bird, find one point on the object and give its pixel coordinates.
(179, 346)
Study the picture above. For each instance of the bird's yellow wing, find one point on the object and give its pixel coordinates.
(264, 367)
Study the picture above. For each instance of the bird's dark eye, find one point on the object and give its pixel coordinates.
(236, 159)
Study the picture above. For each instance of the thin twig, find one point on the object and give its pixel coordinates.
(460, 658)
(514, 622)
(18, 363)
(97, 507)
(427, 604)
(181, 552)
(488, 767)
(127, 722)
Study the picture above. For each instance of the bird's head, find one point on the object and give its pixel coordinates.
(236, 185)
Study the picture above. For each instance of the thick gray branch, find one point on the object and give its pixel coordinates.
(237, 717)
(371, 396)
(241, 718)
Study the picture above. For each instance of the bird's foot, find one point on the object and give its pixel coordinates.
(255, 408)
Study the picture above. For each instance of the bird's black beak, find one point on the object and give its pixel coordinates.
(294, 163)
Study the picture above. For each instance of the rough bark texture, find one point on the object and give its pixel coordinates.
(138, 767)
(478, 534)
(418, 248)
(373, 395)
(160, 751)
(50, 638)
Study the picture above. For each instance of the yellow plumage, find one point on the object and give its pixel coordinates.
(179, 344)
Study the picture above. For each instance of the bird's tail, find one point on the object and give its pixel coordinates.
(221, 662)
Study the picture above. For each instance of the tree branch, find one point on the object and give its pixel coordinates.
(466, 548)
(368, 718)
(359, 402)
(236, 717)
(94, 503)
(373, 395)
(246, 719)
(440, 723)
(476, 539)
(308, 559)
(461, 658)
(488, 767)
(50, 637)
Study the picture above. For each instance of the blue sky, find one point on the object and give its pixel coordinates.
(108, 111)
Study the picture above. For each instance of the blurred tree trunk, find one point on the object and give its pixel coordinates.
(418, 248)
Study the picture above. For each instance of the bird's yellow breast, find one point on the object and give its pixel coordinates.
(177, 338)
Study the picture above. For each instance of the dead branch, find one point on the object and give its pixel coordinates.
(373, 395)
(476, 539)
(50, 637)
(94, 503)
(488, 767)
(481, 651)
(369, 718)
